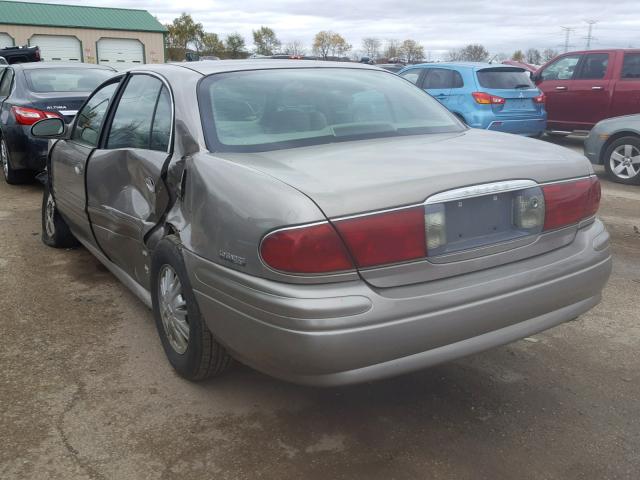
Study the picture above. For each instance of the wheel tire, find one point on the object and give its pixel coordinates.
(203, 356)
(55, 231)
(12, 176)
(619, 152)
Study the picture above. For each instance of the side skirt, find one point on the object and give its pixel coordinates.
(143, 294)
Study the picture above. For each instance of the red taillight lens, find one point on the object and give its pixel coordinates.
(29, 116)
(539, 99)
(485, 99)
(569, 202)
(387, 237)
(312, 249)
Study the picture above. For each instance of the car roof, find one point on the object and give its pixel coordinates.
(472, 65)
(34, 65)
(221, 66)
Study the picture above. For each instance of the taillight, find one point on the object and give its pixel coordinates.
(387, 237)
(568, 203)
(29, 116)
(314, 248)
(539, 99)
(485, 99)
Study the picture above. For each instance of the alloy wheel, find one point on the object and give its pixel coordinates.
(625, 161)
(49, 216)
(173, 309)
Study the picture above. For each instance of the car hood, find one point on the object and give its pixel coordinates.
(360, 176)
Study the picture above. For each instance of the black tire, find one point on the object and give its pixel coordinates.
(621, 146)
(204, 357)
(55, 231)
(12, 176)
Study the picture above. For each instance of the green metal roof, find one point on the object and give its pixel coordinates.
(75, 16)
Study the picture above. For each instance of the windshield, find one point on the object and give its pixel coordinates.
(66, 79)
(505, 78)
(272, 109)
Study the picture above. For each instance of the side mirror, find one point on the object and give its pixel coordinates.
(535, 77)
(48, 128)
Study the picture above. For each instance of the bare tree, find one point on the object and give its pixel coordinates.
(412, 51)
(371, 47)
(548, 54)
(533, 56)
(294, 48)
(392, 49)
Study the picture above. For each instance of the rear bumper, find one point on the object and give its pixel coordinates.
(348, 332)
(25, 151)
(521, 126)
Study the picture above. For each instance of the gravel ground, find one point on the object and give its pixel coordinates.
(86, 392)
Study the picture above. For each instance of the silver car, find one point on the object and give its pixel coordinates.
(324, 223)
(615, 143)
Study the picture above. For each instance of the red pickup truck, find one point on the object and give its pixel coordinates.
(582, 88)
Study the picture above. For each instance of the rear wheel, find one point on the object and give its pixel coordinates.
(186, 339)
(11, 176)
(622, 160)
(55, 231)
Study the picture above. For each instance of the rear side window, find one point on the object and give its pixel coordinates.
(143, 115)
(443, 78)
(89, 120)
(66, 79)
(412, 75)
(504, 78)
(631, 66)
(594, 66)
(5, 84)
(561, 69)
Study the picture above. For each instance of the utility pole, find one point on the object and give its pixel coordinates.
(567, 36)
(590, 36)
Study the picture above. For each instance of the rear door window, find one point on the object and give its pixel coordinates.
(562, 69)
(594, 67)
(442, 78)
(504, 78)
(412, 75)
(631, 66)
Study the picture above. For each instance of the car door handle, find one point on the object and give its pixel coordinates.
(561, 88)
(150, 183)
(597, 88)
(78, 169)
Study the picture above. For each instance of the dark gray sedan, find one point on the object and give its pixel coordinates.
(615, 143)
(324, 223)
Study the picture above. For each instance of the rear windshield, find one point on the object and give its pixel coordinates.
(505, 78)
(272, 109)
(66, 79)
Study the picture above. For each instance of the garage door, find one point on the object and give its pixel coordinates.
(58, 48)
(5, 40)
(120, 52)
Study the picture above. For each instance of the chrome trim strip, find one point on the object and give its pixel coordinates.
(68, 112)
(377, 212)
(481, 190)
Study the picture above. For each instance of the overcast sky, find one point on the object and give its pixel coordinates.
(502, 26)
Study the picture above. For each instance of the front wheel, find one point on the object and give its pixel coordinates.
(186, 339)
(55, 231)
(622, 160)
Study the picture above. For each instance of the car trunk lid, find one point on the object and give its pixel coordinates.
(355, 178)
(64, 104)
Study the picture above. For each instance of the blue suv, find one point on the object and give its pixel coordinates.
(484, 95)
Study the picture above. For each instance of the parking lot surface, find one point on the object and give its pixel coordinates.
(86, 391)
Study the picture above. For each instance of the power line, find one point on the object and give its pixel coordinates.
(589, 38)
(567, 36)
